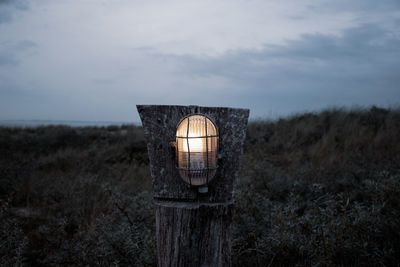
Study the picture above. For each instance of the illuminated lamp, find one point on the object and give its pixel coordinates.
(197, 150)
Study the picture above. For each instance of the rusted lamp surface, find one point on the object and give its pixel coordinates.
(197, 150)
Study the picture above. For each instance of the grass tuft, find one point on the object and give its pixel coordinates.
(315, 189)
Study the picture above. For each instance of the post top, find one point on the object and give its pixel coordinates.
(146, 106)
(160, 125)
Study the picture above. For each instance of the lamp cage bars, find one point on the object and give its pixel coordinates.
(197, 149)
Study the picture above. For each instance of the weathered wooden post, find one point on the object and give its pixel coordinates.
(194, 163)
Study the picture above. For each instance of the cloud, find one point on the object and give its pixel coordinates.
(5, 15)
(10, 52)
(363, 5)
(24, 44)
(8, 7)
(102, 57)
(19, 4)
(359, 67)
(7, 59)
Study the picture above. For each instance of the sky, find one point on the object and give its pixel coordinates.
(95, 60)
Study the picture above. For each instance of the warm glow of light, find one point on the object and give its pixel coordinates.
(195, 145)
(197, 128)
(197, 148)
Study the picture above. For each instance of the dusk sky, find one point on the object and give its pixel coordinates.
(95, 60)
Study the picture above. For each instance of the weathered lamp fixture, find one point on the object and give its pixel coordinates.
(197, 150)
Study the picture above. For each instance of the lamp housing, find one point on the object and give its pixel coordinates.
(197, 150)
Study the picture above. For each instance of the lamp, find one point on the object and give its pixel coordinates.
(197, 150)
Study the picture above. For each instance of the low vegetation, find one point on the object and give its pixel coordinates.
(315, 189)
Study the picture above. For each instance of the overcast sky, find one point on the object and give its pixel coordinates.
(94, 60)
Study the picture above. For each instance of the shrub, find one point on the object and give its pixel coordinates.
(315, 189)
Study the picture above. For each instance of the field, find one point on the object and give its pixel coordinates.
(315, 189)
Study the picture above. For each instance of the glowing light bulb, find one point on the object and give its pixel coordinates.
(197, 146)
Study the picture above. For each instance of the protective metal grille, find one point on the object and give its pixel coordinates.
(197, 149)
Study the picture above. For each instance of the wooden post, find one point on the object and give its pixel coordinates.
(193, 228)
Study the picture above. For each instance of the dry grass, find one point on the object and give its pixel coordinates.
(316, 189)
